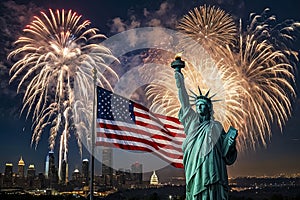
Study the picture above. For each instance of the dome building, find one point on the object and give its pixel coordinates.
(154, 179)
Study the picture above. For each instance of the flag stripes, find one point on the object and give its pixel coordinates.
(122, 123)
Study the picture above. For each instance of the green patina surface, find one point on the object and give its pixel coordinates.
(207, 148)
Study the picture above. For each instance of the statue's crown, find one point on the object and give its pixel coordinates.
(202, 98)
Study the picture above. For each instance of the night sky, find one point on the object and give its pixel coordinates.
(282, 152)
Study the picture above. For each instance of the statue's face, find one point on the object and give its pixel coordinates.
(202, 109)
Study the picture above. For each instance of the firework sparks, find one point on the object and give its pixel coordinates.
(56, 54)
(209, 26)
(262, 69)
(255, 70)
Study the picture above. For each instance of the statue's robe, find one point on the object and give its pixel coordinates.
(205, 157)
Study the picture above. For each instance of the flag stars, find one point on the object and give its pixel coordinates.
(114, 107)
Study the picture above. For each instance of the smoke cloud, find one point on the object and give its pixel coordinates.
(13, 18)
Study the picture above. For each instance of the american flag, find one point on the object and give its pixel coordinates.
(122, 123)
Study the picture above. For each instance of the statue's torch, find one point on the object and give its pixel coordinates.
(177, 64)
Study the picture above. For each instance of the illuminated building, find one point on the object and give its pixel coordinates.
(76, 178)
(52, 171)
(31, 171)
(21, 167)
(154, 179)
(76, 175)
(8, 175)
(47, 167)
(20, 176)
(85, 171)
(30, 175)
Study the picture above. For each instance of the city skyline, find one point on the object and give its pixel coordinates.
(280, 155)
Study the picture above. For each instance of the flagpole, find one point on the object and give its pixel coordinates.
(93, 136)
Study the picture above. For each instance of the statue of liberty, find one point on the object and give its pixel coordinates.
(207, 148)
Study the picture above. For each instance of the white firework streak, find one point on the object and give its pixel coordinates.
(55, 60)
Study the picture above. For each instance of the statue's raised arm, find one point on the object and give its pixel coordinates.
(182, 93)
(177, 64)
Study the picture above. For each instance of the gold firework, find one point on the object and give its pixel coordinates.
(210, 27)
(255, 74)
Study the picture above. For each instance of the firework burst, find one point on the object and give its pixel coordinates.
(210, 27)
(55, 59)
(255, 73)
(261, 68)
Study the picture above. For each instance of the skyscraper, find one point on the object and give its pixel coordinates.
(76, 178)
(31, 172)
(85, 171)
(21, 166)
(137, 172)
(64, 172)
(47, 167)
(30, 175)
(8, 175)
(76, 175)
(107, 171)
(52, 171)
(20, 176)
